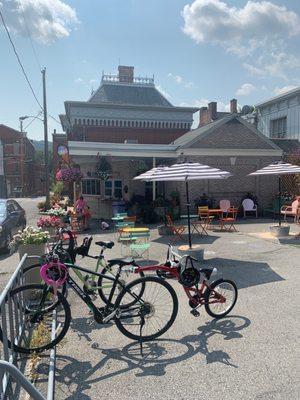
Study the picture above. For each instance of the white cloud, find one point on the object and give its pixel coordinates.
(78, 80)
(163, 92)
(47, 20)
(180, 80)
(214, 20)
(245, 89)
(260, 30)
(93, 81)
(278, 91)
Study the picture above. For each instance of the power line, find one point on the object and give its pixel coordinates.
(19, 61)
(30, 37)
(32, 120)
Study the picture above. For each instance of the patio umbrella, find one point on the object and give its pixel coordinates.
(278, 168)
(187, 172)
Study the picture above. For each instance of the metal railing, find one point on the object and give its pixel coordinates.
(12, 321)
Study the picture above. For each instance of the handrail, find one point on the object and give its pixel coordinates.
(11, 320)
(6, 366)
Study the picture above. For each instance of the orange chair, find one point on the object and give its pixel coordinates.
(130, 219)
(227, 223)
(177, 230)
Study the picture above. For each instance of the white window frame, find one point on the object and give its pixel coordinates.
(113, 188)
(91, 194)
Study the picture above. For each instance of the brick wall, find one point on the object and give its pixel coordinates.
(233, 188)
(119, 135)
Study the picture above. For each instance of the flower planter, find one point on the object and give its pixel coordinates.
(280, 231)
(32, 250)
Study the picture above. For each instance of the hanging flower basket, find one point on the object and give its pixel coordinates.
(69, 175)
(103, 169)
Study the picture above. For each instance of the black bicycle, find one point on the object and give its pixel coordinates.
(143, 310)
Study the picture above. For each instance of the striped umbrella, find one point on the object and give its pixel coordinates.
(186, 172)
(278, 168)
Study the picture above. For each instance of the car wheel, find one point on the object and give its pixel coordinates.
(6, 248)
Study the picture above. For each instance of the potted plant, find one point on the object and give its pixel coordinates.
(49, 223)
(31, 241)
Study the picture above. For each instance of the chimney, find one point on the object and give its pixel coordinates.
(212, 109)
(233, 106)
(125, 73)
(203, 120)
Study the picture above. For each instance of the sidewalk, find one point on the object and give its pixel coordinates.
(251, 354)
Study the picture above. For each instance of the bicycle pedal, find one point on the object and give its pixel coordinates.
(195, 313)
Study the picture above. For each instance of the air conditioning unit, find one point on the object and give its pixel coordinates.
(131, 141)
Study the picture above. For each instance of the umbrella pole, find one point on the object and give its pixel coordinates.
(279, 200)
(165, 208)
(188, 212)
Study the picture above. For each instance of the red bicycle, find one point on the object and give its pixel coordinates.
(218, 297)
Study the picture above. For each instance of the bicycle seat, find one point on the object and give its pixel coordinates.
(121, 261)
(107, 245)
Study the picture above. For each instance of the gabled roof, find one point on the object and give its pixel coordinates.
(129, 94)
(229, 132)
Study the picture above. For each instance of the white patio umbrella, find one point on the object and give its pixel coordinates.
(187, 172)
(278, 168)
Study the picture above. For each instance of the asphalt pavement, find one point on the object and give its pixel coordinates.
(251, 354)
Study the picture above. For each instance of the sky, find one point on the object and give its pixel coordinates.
(199, 51)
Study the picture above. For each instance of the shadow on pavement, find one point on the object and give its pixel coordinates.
(196, 239)
(157, 356)
(243, 273)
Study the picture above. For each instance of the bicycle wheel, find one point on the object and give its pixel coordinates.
(214, 305)
(31, 274)
(152, 314)
(105, 285)
(33, 308)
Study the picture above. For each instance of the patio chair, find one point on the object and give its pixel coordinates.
(291, 211)
(224, 205)
(130, 219)
(227, 222)
(249, 206)
(203, 213)
(177, 230)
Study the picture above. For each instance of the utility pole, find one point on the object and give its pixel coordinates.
(22, 152)
(46, 140)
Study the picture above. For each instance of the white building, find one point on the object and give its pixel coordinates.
(279, 117)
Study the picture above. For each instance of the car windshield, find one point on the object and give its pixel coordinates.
(2, 209)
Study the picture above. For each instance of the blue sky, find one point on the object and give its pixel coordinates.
(199, 51)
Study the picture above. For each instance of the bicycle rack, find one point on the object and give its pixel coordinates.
(8, 357)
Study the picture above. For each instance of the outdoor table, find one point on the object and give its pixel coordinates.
(117, 219)
(135, 230)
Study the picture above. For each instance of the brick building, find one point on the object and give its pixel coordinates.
(17, 164)
(127, 122)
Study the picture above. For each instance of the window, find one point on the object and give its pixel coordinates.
(113, 188)
(91, 186)
(278, 128)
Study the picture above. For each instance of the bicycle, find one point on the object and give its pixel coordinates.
(89, 279)
(218, 297)
(45, 313)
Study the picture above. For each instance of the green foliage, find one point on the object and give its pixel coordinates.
(57, 188)
(31, 235)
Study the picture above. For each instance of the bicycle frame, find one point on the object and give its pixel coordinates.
(194, 294)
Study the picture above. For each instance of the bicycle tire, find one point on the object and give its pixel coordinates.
(103, 295)
(61, 304)
(209, 291)
(129, 289)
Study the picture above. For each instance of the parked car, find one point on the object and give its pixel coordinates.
(12, 219)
